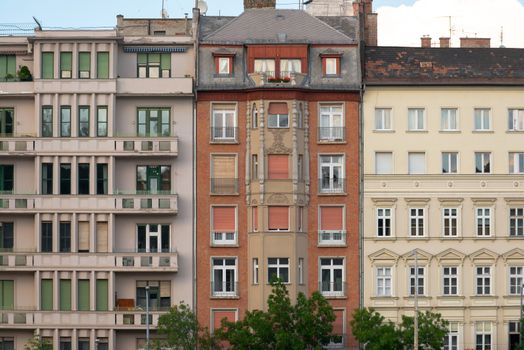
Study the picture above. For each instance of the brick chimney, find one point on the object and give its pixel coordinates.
(475, 42)
(444, 42)
(368, 21)
(259, 4)
(425, 41)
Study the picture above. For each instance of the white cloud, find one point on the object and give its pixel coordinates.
(404, 25)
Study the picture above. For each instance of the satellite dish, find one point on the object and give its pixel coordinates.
(202, 6)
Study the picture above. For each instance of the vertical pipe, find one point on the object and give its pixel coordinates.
(415, 325)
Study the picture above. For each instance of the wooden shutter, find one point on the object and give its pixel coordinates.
(219, 315)
(101, 237)
(224, 167)
(278, 166)
(65, 295)
(84, 61)
(46, 294)
(278, 218)
(48, 67)
(101, 295)
(338, 324)
(331, 218)
(165, 289)
(83, 295)
(277, 108)
(102, 65)
(83, 236)
(224, 219)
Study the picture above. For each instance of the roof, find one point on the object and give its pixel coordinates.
(443, 66)
(261, 26)
(209, 24)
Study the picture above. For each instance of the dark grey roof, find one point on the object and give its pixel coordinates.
(209, 24)
(260, 26)
(443, 66)
(344, 24)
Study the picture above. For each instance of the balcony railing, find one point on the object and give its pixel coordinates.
(224, 289)
(332, 237)
(330, 289)
(331, 185)
(224, 186)
(219, 238)
(281, 79)
(224, 134)
(331, 134)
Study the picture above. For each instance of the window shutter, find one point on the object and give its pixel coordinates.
(101, 237)
(66, 60)
(219, 315)
(3, 66)
(331, 218)
(383, 163)
(278, 218)
(48, 69)
(11, 65)
(224, 167)
(83, 236)
(65, 295)
(46, 294)
(7, 295)
(101, 295)
(102, 65)
(165, 61)
(84, 61)
(165, 289)
(278, 167)
(83, 295)
(141, 58)
(338, 324)
(224, 219)
(417, 163)
(277, 108)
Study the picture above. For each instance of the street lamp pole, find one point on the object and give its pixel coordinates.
(147, 317)
(415, 319)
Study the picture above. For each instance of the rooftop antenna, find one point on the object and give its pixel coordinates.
(164, 13)
(502, 37)
(37, 23)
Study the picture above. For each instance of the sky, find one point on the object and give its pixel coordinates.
(401, 22)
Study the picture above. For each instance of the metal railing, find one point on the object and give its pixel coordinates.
(224, 186)
(224, 134)
(331, 237)
(331, 185)
(332, 289)
(332, 133)
(224, 289)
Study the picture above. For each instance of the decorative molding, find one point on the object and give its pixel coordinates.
(413, 200)
(384, 201)
(278, 146)
(277, 198)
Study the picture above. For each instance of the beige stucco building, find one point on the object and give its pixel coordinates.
(96, 181)
(443, 178)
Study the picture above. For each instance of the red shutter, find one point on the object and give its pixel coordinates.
(278, 218)
(278, 167)
(255, 219)
(331, 218)
(218, 315)
(224, 219)
(338, 324)
(277, 108)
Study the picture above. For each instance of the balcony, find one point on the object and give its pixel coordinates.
(16, 87)
(332, 238)
(331, 134)
(155, 86)
(224, 134)
(224, 186)
(332, 185)
(224, 289)
(281, 80)
(71, 86)
(334, 290)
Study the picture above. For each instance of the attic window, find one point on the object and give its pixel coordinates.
(159, 32)
(224, 63)
(426, 64)
(331, 63)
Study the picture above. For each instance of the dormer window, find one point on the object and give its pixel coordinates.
(224, 62)
(330, 63)
(288, 66)
(265, 66)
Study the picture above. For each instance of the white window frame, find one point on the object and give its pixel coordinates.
(453, 333)
(289, 68)
(480, 115)
(516, 119)
(412, 171)
(332, 162)
(414, 112)
(452, 217)
(232, 290)
(383, 277)
(450, 274)
(516, 162)
(330, 114)
(332, 237)
(377, 167)
(516, 214)
(331, 68)
(276, 121)
(382, 214)
(279, 265)
(515, 279)
(222, 114)
(264, 65)
(383, 117)
(484, 221)
(417, 216)
(421, 277)
(450, 159)
(223, 240)
(227, 67)
(300, 271)
(483, 280)
(150, 234)
(481, 156)
(332, 292)
(446, 119)
(482, 330)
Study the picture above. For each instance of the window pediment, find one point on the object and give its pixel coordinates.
(514, 254)
(384, 255)
(450, 255)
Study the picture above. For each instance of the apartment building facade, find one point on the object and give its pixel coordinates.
(97, 192)
(443, 185)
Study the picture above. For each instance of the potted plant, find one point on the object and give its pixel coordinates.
(9, 77)
(24, 74)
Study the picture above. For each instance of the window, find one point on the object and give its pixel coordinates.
(278, 268)
(449, 162)
(254, 116)
(101, 121)
(65, 121)
(450, 280)
(65, 295)
(102, 295)
(288, 66)
(8, 343)
(300, 117)
(254, 218)
(383, 163)
(516, 222)
(331, 66)
(154, 65)
(224, 230)
(102, 65)
(483, 336)
(483, 279)
(224, 65)
(416, 222)
(278, 166)
(47, 178)
(46, 295)
(450, 222)
(417, 163)
(278, 218)
(516, 120)
(48, 65)
(331, 226)
(416, 280)
(101, 236)
(384, 222)
(514, 335)
(65, 178)
(224, 124)
(66, 66)
(331, 123)
(83, 344)
(7, 295)
(383, 284)
(300, 219)
(332, 173)
(224, 279)
(254, 166)
(278, 115)
(101, 178)
(47, 121)
(83, 178)
(153, 122)
(84, 65)
(332, 276)
(153, 238)
(6, 237)
(265, 66)
(482, 119)
(7, 116)
(416, 119)
(6, 178)
(516, 162)
(483, 216)
(46, 237)
(482, 162)
(515, 279)
(383, 120)
(65, 237)
(65, 343)
(153, 178)
(223, 174)
(255, 270)
(83, 121)
(300, 271)
(83, 295)
(7, 67)
(448, 119)
(159, 295)
(451, 339)
(83, 236)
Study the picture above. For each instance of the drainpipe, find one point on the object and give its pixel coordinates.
(361, 197)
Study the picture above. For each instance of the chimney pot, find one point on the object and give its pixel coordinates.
(475, 42)
(444, 42)
(259, 4)
(425, 41)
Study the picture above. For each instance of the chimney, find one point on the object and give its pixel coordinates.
(259, 4)
(368, 21)
(475, 42)
(444, 42)
(425, 41)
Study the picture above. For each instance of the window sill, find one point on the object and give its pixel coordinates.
(223, 76)
(483, 131)
(457, 238)
(225, 142)
(384, 297)
(487, 238)
(226, 245)
(423, 297)
(332, 245)
(379, 131)
(511, 238)
(483, 297)
(224, 194)
(328, 142)
(444, 297)
(386, 238)
(331, 296)
(216, 297)
(331, 76)
(417, 131)
(278, 128)
(449, 131)
(422, 238)
(514, 131)
(323, 194)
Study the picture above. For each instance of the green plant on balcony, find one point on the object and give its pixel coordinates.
(9, 77)
(24, 74)
(278, 80)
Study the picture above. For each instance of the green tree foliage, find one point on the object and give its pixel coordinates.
(432, 329)
(37, 343)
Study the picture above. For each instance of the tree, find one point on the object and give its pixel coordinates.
(432, 329)
(305, 325)
(38, 343)
(182, 330)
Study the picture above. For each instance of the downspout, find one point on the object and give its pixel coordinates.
(195, 26)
